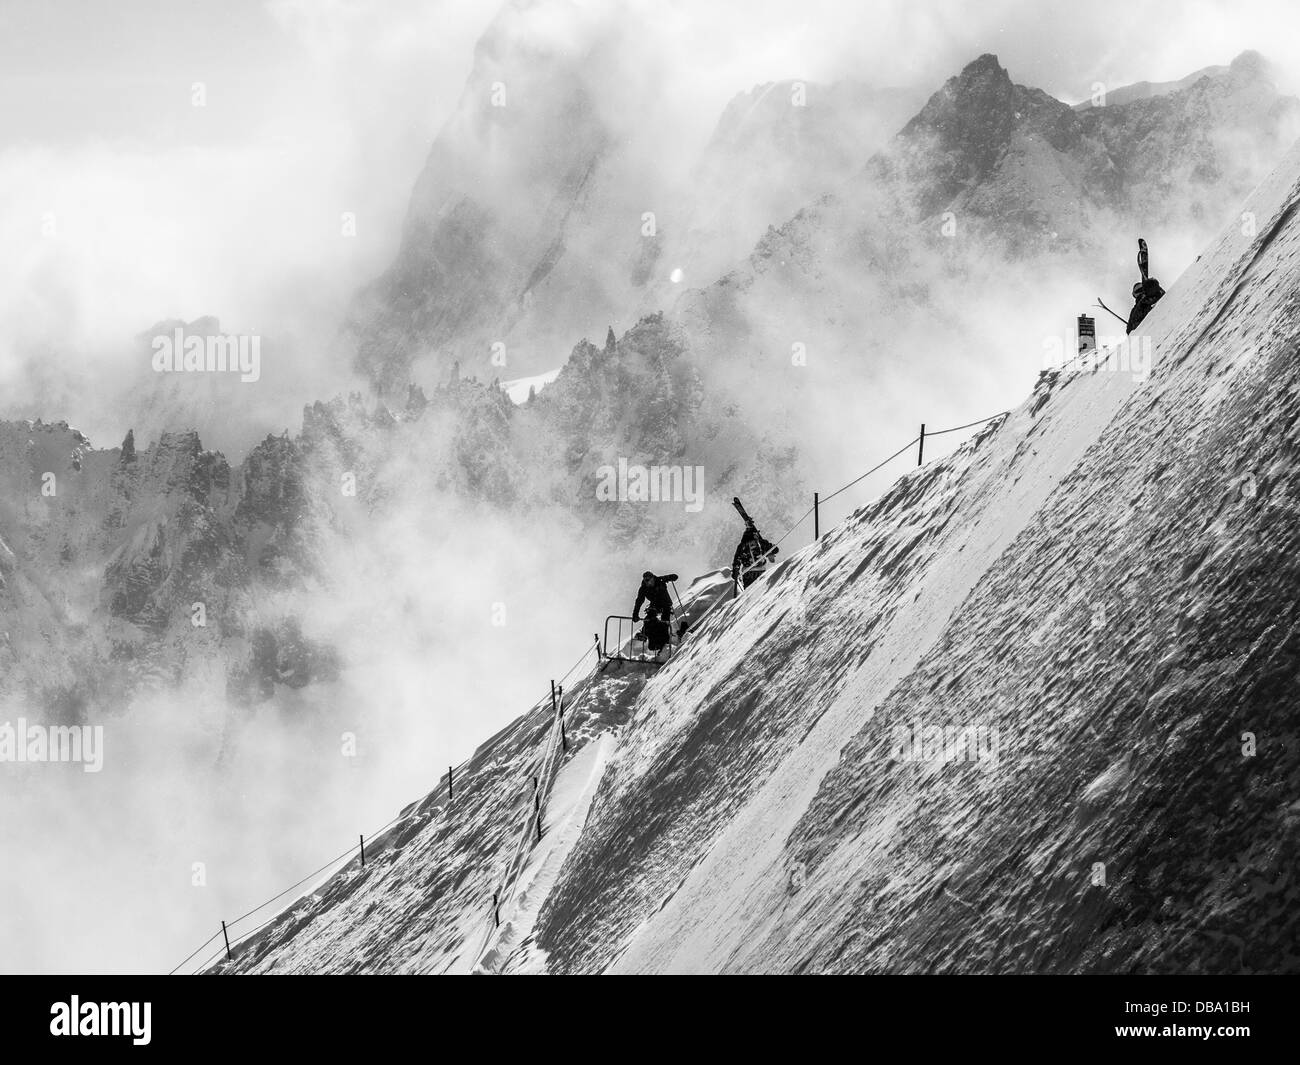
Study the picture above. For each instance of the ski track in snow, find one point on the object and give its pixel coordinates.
(513, 949)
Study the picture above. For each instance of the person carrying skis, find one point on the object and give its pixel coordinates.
(752, 553)
(1146, 293)
(658, 602)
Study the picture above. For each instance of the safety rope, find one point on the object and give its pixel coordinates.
(560, 750)
(521, 843)
(242, 917)
(968, 425)
(762, 562)
(879, 465)
(554, 733)
(196, 950)
(548, 768)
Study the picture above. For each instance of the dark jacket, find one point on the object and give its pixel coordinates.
(752, 551)
(1146, 294)
(655, 594)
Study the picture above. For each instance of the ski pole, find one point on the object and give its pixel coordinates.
(681, 610)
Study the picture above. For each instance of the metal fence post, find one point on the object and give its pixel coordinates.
(564, 736)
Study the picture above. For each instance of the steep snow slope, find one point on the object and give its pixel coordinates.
(423, 903)
(1090, 583)
(1099, 587)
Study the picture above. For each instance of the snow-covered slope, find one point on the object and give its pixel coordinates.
(426, 892)
(521, 388)
(1144, 90)
(1097, 590)
(1089, 582)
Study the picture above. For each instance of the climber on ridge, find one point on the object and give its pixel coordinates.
(658, 602)
(752, 553)
(1146, 293)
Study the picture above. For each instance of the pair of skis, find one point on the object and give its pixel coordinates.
(735, 502)
(740, 508)
(1105, 308)
(1143, 269)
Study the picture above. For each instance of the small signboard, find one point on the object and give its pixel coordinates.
(1087, 333)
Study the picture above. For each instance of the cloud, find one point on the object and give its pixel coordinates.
(234, 209)
(315, 111)
(125, 205)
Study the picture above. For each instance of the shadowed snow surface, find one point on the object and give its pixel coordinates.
(1101, 584)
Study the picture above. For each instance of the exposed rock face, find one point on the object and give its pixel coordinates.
(963, 131)
(990, 190)
(855, 190)
(281, 655)
(1143, 90)
(1019, 161)
(166, 557)
(135, 565)
(993, 208)
(535, 220)
(489, 215)
(777, 148)
(1032, 710)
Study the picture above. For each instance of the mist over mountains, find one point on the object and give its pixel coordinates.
(838, 262)
(1030, 711)
(1062, 187)
(827, 237)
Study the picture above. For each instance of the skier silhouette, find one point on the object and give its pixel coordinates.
(1146, 293)
(752, 553)
(658, 602)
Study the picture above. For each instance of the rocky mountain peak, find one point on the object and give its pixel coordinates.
(1252, 66)
(965, 127)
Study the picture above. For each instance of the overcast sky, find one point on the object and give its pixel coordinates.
(313, 108)
(122, 204)
(75, 69)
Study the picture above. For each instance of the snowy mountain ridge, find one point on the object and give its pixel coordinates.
(1104, 579)
(840, 184)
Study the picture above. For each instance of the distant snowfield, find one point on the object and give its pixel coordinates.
(517, 389)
